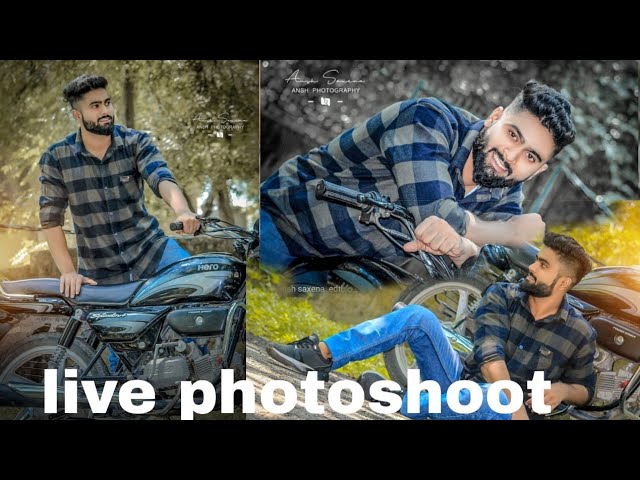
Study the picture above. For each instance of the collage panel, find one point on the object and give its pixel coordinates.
(458, 222)
(128, 204)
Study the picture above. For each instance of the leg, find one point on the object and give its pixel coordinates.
(173, 252)
(413, 324)
(273, 251)
(435, 357)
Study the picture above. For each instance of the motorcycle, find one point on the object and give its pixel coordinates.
(608, 297)
(185, 323)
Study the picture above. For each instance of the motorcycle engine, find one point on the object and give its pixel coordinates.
(614, 373)
(185, 361)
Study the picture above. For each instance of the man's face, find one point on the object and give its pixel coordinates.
(96, 112)
(544, 274)
(512, 147)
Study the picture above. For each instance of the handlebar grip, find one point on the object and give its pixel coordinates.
(332, 191)
(176, 226)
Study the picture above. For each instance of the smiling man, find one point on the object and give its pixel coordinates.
(461, 178)
(98, 172)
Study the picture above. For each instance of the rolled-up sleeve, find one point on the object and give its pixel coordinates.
(53, 192)
(151, 164)
(418, 147)
(491, 326)
(580, 369)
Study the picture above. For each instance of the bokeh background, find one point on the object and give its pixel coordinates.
(600, 168)
(202, 114)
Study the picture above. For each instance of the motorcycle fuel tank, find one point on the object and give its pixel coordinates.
(615, 290)
(216, 277)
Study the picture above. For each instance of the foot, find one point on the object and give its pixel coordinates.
(303, 355)
(368, 378)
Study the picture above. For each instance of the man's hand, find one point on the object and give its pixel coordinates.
(520, 414)
(71, 282)
(434, 235)
(554, 395)
(528, 227)
(189, 221)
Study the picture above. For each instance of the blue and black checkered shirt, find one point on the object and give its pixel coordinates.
(412, 151)
(115, 234)
(562, 345)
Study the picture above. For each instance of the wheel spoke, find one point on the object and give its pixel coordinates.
(14, 377)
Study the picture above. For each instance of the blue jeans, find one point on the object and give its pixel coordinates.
(436, 358)
(173, 252)
(274, 253)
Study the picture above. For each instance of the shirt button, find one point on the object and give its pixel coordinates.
(519, 346)
(106, 188)
(111, 214)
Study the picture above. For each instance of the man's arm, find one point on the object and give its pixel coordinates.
(70, 280)
(492, 325)
(516, 231)
(53, 203)
(496, 370)
(175, 199)
(154, 170)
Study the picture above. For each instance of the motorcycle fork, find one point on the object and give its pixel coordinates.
(71, 329)
(66, 340)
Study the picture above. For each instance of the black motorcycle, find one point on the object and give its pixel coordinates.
(185, 323)
(608, 297)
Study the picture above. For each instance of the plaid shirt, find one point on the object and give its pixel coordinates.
(115, 234)
(413, 151)
(562, 345)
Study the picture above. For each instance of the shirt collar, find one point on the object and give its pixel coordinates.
(460, 157)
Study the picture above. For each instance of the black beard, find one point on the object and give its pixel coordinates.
(484, 174)
(537, 289)
(98, 129)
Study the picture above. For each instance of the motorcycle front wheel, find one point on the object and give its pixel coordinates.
(453, 302)
(28, 359)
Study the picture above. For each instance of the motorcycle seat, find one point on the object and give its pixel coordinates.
(107, 295)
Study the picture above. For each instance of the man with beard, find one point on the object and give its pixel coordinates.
(98, 172)
(517, 330)
(460, 177)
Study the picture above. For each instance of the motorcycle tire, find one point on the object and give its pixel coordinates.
(28, 359)
(452, 301)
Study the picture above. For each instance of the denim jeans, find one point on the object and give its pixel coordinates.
(435, 357)
(173, 252)
(274, 253)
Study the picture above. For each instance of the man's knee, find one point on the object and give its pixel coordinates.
(417, 315)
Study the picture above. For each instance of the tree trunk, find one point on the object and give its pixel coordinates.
(128, 92)
(224, 205)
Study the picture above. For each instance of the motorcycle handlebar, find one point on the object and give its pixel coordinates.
(331, 191)
(361, 201)
(176, 226)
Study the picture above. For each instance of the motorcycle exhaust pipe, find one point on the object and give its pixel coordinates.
(28, 395)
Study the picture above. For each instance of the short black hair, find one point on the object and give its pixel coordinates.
(551, 108)
(573, 257)
(77, 87)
